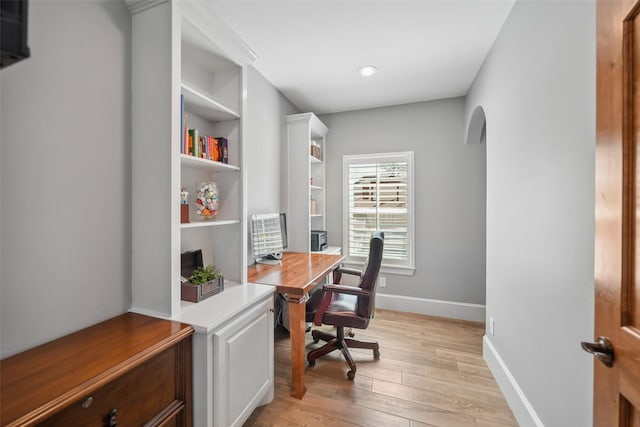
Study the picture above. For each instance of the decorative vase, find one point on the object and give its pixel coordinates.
(207, 200)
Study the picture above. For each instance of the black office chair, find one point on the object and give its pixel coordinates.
(347, 307)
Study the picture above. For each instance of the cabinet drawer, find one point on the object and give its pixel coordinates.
(138, 396)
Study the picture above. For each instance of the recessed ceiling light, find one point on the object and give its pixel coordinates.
(367, 70)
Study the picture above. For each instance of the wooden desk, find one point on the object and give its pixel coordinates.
(296, 275)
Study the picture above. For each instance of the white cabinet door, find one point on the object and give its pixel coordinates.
(243, 365)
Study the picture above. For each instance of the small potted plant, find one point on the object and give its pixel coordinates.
(203, 283)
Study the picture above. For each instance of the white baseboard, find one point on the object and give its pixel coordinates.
(432, 307)
(517, 400)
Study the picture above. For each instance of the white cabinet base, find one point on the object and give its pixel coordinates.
(232, 355)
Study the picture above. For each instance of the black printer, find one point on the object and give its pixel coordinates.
(318, 240)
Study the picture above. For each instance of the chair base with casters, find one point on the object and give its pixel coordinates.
(342, 342)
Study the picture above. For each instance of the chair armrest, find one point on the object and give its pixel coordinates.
(349, 271)
(350, 290)
(328, 296)
(337, 273)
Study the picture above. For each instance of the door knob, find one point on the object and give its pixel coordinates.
(601, 349)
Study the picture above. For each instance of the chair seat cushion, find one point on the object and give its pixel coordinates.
(341, 311)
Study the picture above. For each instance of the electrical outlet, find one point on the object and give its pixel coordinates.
(382, 281)
(492, 326)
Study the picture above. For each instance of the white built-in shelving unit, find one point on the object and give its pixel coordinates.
(181, 48)
(306, 179)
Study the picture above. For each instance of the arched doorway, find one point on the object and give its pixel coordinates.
(477, 135)
(477, 130)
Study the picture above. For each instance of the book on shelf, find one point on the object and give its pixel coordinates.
(214, 150)
(193, 142)
(182, 124)
(223, 150)
(184, 149)
(218, 151)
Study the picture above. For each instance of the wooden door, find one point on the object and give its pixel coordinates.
(617, 388)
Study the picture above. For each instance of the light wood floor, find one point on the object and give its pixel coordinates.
(430, 373)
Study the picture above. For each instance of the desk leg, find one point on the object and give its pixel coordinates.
(297, 326)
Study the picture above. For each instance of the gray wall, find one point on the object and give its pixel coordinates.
(537, 88)
(65, 174)
(65, 218)
(263, 142)
(449, 192)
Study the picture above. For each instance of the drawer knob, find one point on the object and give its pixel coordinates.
(87, 402)
(113, 421)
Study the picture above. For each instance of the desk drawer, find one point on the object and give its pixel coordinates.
(148, 392)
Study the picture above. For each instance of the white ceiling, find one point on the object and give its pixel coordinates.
(311, 49)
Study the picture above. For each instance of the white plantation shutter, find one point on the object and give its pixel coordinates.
(378, 196)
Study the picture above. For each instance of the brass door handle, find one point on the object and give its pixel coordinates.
(601, 349)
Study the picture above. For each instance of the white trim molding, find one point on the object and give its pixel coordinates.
(517, 400)
(432, 307)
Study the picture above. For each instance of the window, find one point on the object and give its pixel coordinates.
(378, 195)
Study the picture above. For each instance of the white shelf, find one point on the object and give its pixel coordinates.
(314, 159)
(209, 223)
(210, 165)
(205, 107)
(315, 187)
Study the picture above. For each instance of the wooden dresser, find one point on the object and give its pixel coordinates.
(131, 370)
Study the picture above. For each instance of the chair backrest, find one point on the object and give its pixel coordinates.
(369, 279)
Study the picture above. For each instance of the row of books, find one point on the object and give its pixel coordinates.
(205, 147)
(201, 146)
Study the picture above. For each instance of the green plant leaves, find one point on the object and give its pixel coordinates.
(202, 275)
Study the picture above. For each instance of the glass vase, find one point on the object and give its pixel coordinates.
(207, 200)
